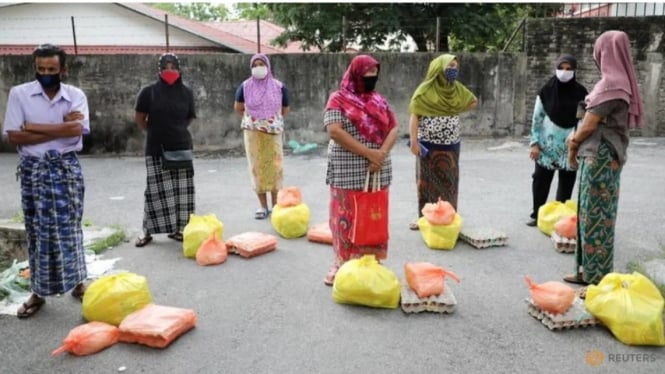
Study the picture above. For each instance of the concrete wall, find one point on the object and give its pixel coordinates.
(505, 83)
(546, 39)
(112, 82)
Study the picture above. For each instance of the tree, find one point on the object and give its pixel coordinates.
(196, 11)
(469, 27)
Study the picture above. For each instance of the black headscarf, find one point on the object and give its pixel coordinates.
(560, 99)
(166, 58)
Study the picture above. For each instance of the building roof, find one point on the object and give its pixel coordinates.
(246, 29)
(232, 36)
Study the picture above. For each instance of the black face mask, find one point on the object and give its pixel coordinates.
(48, 80)
(370, 83)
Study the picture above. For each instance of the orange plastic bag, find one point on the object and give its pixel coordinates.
(439, 213)
(289, 196)
(156, 325)
(212, 251)
(320, 233)
(554, 297)
(567, 227)
(426, 279)
(88, 338)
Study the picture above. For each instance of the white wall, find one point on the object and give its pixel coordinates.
(96, 24)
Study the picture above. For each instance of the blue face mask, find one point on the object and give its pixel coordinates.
(451, 74)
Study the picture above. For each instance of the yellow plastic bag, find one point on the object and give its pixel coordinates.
(290, 222)
(440, 236)
(364, 281)
(198, 230)
(111, 298)
(630, 306)
(552, 212)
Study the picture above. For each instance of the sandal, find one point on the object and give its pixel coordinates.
(30, 307)
(177, 236)
(330, 277)
(79, 291)
(414, 226)
(261, 213)
(143, 241)
(575, 279)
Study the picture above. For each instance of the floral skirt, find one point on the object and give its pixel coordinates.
(597, 211)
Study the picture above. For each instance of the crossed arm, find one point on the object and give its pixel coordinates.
(35, 133)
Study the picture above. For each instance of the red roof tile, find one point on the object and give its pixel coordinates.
(247, 30)
(111, 50)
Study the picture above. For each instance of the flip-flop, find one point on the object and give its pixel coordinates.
(575, 279)
(261, 213)
(143, 241)
(175, 236)
(414, 226)
(31, 309)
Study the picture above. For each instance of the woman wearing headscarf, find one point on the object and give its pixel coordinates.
(554, 118)
(263, 101)
(362, 130)
(599, 146)
(434, 123)
(164, 110)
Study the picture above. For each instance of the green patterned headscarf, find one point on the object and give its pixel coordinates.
(435, 96)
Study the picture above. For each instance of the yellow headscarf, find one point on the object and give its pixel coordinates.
(435, 96)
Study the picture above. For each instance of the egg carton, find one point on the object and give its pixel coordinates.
(563, 244)
(443, 303)
(483, 237)
(575, 317)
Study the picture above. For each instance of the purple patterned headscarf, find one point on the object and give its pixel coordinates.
(263, 97)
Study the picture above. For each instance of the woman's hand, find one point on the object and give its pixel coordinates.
(376, 159)
(415, 148)
(572, 157)
(535, 152)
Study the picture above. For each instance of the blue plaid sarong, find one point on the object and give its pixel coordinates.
(52, 193)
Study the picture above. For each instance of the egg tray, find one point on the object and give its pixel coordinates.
(563, 244)
(483, 237)
(443, 303)
(575, 317)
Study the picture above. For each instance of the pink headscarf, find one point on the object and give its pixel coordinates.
(368, 111)
(612, 55)
(263, 97)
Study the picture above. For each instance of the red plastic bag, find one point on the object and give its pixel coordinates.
(554, 297)
(370, 214)
(289, 196)
(567, 227)
(426, 279)
(212, 251)
(88, 338)
(156, 325)
(439, 213)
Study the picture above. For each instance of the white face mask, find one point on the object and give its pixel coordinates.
(565, 75)
(259, 72)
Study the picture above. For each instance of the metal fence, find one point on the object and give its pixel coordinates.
(572, 10)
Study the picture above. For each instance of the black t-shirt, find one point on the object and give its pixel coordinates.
(169, 109)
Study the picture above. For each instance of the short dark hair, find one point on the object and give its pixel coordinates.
(48, 50)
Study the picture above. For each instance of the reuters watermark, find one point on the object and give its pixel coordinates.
(597, 358)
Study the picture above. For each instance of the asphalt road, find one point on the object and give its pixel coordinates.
(272, 314)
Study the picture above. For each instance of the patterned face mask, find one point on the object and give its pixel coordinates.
(451, 74)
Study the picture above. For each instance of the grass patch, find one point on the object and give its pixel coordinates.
(111, 241)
